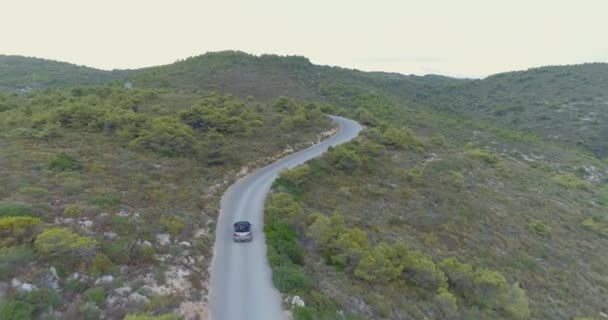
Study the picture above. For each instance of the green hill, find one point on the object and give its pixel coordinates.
(17, 72)
(464, 199)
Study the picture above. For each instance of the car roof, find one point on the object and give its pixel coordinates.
(242, 223)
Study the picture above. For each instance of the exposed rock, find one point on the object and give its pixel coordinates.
(15, 283)
(137, 298)
(53, 272)
(105, 280)
(604, 315)
(146, 243)
(123, 291)
(85, 223)
(163, 239)
(110, 235)
(185, 244)
(26, 287)
(296, 301)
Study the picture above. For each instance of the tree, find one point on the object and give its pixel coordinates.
(167, 136)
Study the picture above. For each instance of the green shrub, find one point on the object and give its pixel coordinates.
(402, 138)
(487, 156)
(96, 295)
(101, 264)
(14, 209)
(283, 240)
(290, 278)
(457, 179)
(539, 228)
(16, 230)
(12, 259)
(571, 181)
(167, 136)
(64, 162)
(344, 158)
(119, 251)
(105, 201)
(34, 192)
(439, 140)
(62, 243)
(73, 210)
(172, 225)
(16, 310)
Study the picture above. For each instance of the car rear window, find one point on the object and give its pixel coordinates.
(242, 227)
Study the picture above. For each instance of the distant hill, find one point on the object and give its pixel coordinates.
(18, 72)
(561, 103)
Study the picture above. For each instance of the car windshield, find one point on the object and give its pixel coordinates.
(242, 227)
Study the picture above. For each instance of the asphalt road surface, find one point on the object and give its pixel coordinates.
(241, 282)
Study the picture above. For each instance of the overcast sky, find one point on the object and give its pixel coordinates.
(451, 37)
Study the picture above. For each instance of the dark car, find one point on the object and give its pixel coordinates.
(243, 231)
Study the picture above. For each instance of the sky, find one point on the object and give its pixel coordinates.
(464, 38)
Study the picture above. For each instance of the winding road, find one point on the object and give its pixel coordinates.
(241, 282)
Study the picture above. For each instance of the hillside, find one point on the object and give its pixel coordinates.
(464, 199)
(109, 197)
(22, 73)
(565, 104)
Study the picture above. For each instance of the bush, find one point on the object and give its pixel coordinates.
(12, 259)
(345, 159)
(73, 210)
(64, 162)
(487, 156)
(402, 138)
(14, 209)
(16, 310)
(571, 181)
(101, 264)
(539, 228)
(95, 295)
(62, 243)
(16, 230)
(290, 278)
(34, 192)
(167, 136)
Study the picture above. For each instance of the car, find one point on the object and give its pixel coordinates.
(242, 231)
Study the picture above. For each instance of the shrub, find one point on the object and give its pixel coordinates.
(13, 209)
(60, 242)
(12, 259)
(345, 159)
(15, 230)
(423, 272)
(96, 295)
(64, 162)
(119, 251)
(457, 179)
(167, 136)
(290, 278)
(402, 138)
(105, 201)
(487, 156)
(539, 228)
(101, 264)
(73, 210)
(34, 192)
(16, 310)
(283, 240)
(172, 225)
(439, 140)
(571, 181)
(283, 207)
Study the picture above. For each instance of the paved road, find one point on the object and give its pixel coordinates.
(241, 281)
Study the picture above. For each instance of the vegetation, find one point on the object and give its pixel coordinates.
(464, 199)
(93, 177)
